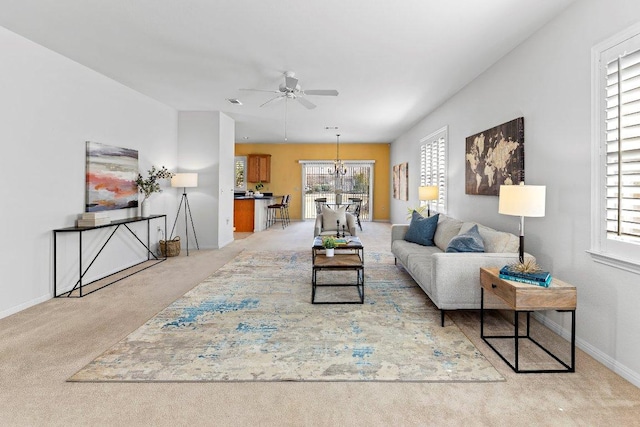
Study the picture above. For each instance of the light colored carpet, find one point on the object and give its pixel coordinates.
(41, 347)
(253, 321)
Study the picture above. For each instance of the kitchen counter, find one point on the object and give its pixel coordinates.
(250, 213)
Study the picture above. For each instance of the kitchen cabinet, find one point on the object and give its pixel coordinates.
(259, 167)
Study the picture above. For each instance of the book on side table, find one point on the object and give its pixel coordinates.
(540, 278)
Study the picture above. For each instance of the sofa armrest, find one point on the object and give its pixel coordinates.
(351, 223)
(398, 231)
(318, 226)
(455, 277)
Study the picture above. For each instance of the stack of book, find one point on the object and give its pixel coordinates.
(92, 219)
(540, 278)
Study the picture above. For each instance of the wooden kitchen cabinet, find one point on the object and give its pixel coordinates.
(258, 167)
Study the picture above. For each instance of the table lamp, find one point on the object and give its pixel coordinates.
(428, 193)
(185, 180)
(522, 200)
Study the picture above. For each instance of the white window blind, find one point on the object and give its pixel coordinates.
(622, 118)
(615, 226)
(433, 170)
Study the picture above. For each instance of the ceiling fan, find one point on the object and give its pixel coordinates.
(290, 89)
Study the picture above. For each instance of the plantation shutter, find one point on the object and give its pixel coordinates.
(623, 146)
(433, 167)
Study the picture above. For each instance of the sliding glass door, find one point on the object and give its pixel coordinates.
(319, 181)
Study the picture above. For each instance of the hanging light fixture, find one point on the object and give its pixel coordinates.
(338, 165)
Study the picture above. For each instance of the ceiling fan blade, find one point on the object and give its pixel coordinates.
(310, 105)
(260, 90)
(325, 92)
(276, 99)
(290, 82)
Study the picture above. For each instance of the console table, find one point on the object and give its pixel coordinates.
(522, 297)
(116, 225)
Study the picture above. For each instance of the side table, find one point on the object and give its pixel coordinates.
(522, 297)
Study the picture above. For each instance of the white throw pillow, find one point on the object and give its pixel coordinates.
(331, 216)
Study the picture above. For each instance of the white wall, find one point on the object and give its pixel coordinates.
(49, 107)
(547, 81)
(206, 144)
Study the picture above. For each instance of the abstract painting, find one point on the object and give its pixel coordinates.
(401, 181)
(110, 176)
(495, 157)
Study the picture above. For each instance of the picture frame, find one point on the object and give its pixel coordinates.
(110, 177)
(495, 157)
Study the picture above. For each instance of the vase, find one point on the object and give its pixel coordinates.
(145, 208)
(330, 252)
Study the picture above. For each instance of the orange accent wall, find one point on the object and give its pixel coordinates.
(286, 172)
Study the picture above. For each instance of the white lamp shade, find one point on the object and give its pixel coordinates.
(429, 192)
(522, 200)
(184, 180)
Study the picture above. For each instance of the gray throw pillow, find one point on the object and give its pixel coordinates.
(421, 230)
(467, 242)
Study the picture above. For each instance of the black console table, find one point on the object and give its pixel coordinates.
(116, 225)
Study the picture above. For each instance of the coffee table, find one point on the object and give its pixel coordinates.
(348, 256)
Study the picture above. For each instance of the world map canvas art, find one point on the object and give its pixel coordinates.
(110, 177)
(495, 157)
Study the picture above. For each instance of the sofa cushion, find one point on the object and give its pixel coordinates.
(421, 230)
(403, 250)
(494, 241)
(447, 229)
(467, 242)
(331, 216)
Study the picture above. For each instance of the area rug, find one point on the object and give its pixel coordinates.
(253, 320)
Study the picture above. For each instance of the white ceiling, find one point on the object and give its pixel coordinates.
(392, 61)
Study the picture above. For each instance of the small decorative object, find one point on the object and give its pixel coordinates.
(329, 243)
(170, 247)
(151, 185)
(527, 266)
(495, 157)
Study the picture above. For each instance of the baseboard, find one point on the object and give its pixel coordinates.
(14, 310)
(620, 369)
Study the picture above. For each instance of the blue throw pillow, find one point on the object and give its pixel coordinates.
(421, 230)
(471, 241)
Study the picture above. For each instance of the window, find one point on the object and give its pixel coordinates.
(240, 174)
(616, 151)
(433, 166)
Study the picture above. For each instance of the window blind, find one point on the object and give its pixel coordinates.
(433, 167)
(622, 116)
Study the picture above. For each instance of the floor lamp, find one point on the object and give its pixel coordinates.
(522, 200)
(185, 180)
(428, 193)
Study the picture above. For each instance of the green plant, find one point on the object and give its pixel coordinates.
(151, 185)
(419, 209)
(329, 242)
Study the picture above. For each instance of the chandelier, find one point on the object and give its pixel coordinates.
(338, 165)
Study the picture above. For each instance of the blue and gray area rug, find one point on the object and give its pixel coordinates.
(253, 320)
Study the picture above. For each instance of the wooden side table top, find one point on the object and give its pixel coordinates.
(525, 297)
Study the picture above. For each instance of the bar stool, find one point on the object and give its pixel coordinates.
(275, 208)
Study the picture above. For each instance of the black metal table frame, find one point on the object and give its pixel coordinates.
(359, 269)
(516, 338)
(81, 273)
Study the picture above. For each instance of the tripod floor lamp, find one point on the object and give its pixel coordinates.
(185, 180)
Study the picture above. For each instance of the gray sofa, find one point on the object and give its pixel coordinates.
(452, 280)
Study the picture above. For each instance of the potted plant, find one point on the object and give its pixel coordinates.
(151, 185)
(259, 186)
(329, 244)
